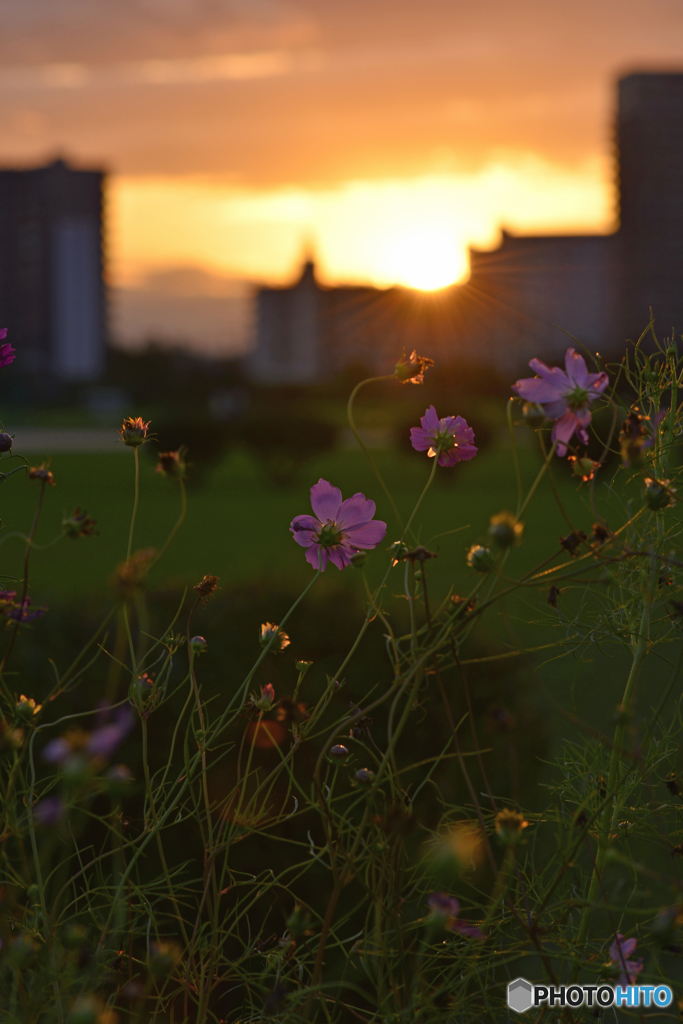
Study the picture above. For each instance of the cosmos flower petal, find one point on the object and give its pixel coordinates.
(368, 535)
(355, 511)
(563, 431)
(305, 537)
(313, 556)
(554, 410)
(430, 420)
(463, 433)
(552, 375)
(575, 365)
(341, 556)
(305, 523)
(596, 383)
(326, 500)
(535, 389)
(420, 439)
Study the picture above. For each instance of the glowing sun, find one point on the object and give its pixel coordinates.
(426, 258)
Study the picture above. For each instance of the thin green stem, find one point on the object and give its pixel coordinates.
(613, 777)
(361, 442)
(179, 523)
(536, 482)
(515, 456)
(135, 503)
(420, 499)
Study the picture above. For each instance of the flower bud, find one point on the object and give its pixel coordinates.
(365, 775)
(584, 468)
(5, 442)
(338, 753)
(533, 414)
(267, 697)
(78, 525)
(48, 811)
(26, 708)
(163, 958)
(480, 558)
(271, 632)
(358, 559)
(41, 473)
(85, 1010)
(505, 530)
(118, 778)
(198, 645)
(412, 369)
(133, 431)
(658, 494)
(509, 825)
(298, 922)
(74, 936)
(664, 926)
(21, 951)
(303, 666)
(172, 464)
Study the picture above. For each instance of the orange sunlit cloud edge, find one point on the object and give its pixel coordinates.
(412, 232)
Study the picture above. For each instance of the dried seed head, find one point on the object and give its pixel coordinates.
(412, 369)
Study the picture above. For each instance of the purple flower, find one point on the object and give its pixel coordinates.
(449, 438)
(22, 612)
(49, 810)
(444, 906)
(104, 741)
(57, 751)
(565, 396)
(619, 953)
(6, 350)
(341, 528)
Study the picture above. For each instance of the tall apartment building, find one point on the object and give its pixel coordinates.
(523, 296)
(52, 297)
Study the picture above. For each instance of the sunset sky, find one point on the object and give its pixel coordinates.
(383, 135)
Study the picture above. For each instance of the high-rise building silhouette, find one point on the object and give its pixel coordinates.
(523, 298)
(650, 189)
(52, 297)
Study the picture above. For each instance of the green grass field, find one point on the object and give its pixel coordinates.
(237, 528)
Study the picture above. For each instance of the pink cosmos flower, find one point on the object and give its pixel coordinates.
(565, 396)
(450, 439)
(6, 350)
(444, 906)
(619, 952)
(341, 528)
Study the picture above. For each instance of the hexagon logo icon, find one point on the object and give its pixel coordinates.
(520, 995)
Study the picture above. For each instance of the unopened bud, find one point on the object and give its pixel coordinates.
(533, 414)
(338, 752)
(584, 468)
(364, 775)
(274, 638)
(5, 442)
(358, 559)
(510, 825)
(74, 936)
(480, 558)
(303, 666)
(505, 530)
(133, 431)
(267, 697)
(658, 494)
(163, 958)
(198, 645)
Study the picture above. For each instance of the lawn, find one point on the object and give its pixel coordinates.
(237, 528)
